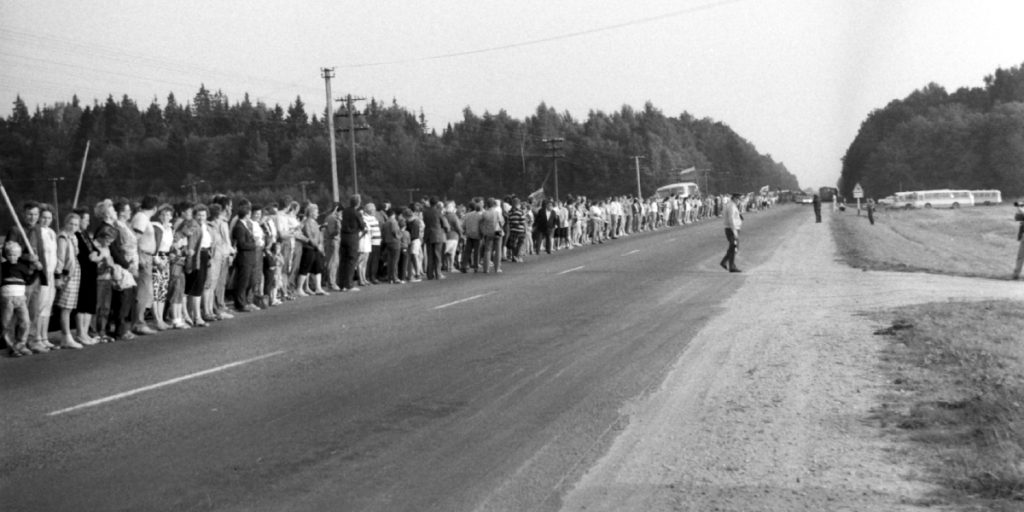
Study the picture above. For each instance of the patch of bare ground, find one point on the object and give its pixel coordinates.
(774, 405)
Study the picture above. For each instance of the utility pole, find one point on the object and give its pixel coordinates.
(56, 204)
(351, 114)
(328, 74)
(555, 148)
(303, 185)
(637, 158)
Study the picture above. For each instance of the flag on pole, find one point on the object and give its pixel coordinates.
(764, 190)
(537, 195)
(688, 170)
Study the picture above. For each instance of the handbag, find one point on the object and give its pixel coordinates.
(122, 279)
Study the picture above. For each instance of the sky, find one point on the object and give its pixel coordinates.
(793, 77)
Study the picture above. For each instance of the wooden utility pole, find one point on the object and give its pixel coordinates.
(56, 202)
(555, 148)
(637, 158)
(328, 74)
(351, 114)
(81, 174)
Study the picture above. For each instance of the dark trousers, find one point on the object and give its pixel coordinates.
(435, 252)
(373, 263)
(471, 254)
(245, 277)
(392, 254)
(348, 254)
(734, 245)
(817, 215)
(124, 305)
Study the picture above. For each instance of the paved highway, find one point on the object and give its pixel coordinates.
(479, 392)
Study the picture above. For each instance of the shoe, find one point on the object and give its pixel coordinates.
(723, 265)
(144, 330)
(20, 349)
(354, 289)
(320, 293)
(252, 308)
(162, 327)
(277, 302)
(497, 271)
(374, 281)
(46, 343)
(734, 269)
(37, 347)
(224, 315)
(179, 324)
(441, 276)
(128, 336)
(88, 342)
(71, 344)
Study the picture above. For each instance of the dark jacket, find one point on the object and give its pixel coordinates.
(435, 226)
(35, 239)
(352, 223)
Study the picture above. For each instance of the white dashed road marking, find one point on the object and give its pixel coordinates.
(571, 270)
(460, 301)
(151, 387)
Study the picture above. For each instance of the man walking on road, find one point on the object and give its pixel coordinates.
(1020, 238)
(733, 221)
(816, 202)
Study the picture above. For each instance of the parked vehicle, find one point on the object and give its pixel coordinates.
(987, 197)
(684, 189)
(944, 198)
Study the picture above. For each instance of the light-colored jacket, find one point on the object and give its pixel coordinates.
(733, 220)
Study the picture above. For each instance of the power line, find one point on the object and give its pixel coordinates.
(570, 35)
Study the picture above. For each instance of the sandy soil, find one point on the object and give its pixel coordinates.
(766, 409)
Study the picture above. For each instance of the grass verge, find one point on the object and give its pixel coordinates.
(974, 242)
(956, 396)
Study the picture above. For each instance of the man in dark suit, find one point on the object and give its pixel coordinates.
(435, 232)
(544, 226)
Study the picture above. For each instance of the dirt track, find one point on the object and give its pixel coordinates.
(766, 409)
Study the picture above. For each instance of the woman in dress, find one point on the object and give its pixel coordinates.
(183, 226)
(69, 278)
(87, 258)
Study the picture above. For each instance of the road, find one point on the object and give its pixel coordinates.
(479, 392)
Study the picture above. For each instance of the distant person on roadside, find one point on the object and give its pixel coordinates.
(817, 208)
(1019, 217)
(733, 222)
(871, 211)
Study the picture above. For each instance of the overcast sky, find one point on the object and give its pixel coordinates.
(794, 77)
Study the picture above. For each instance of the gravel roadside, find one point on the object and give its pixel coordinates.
(766, 409)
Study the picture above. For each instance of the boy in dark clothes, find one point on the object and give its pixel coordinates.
(17, 274)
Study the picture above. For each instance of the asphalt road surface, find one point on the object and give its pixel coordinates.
(479, 392)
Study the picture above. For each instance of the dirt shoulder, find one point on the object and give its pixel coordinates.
(767, 408)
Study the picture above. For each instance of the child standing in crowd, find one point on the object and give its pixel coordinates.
(18, 273)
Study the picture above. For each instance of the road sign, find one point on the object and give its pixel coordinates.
(857, 191)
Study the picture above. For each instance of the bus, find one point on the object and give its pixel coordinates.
(987, 197)
(944, 198)
(684, 189)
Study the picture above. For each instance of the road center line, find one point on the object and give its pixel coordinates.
(634, 251)
(460, 301)
(151, 387)
(570, 270)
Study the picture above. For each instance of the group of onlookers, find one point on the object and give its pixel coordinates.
(120, 270)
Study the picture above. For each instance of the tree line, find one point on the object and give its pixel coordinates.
(970, 139)
(264, 152)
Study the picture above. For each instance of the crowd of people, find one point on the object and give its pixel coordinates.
(121, 270)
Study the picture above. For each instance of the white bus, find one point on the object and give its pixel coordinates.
(684, 189)
(987, 197)
(944, 198)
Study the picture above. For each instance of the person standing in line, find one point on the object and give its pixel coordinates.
(44, 307)
(145, 238)
(85, 306)
(68, 278)
(492, 224)
(733, 222)
(871, 211)
(352, 228)
(816, 202)
(392, 244)
(1019, 217)
(373, 222)
(244, 240)
(435, 227)
(471, 250)
(164, 234)
(452, 237)
(332, 239)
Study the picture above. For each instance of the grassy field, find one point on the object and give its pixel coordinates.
(956, 396)
(976, 242)
(956, 369)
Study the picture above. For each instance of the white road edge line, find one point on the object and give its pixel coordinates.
(151, 387)
(570, 270)
(634, 251)
(460, 301)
